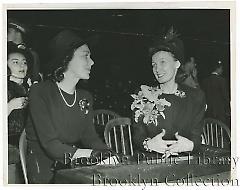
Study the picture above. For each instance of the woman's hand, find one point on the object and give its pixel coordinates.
(157, 144)
(17, 103)
(181, 145)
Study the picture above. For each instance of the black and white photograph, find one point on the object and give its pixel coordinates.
(120, 95)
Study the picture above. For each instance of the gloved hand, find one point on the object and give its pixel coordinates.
(157, 144)
(182, 144)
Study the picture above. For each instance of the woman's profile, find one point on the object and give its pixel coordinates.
(61, 122)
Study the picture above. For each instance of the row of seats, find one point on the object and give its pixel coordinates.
(116, 132)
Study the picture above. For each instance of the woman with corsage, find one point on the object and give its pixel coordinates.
(19, 64)
(168, 117)
(61, 125)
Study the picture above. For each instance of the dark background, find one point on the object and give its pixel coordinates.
(121, 59)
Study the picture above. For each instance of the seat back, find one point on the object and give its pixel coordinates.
(118, 135)
(23, 153)
(101, 118)
(215, 133)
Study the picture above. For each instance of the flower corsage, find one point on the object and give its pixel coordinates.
(148, 104)
(84, 105)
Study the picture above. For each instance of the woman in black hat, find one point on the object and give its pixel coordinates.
(61, 127)
(18, 83)
(168, 117)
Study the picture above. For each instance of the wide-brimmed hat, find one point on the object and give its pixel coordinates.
(61, 45)
(13, 23)
(170, 43)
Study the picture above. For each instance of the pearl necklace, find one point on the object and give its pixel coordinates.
(75, 97)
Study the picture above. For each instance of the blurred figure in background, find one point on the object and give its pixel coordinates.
(16, 32)
(188, 73)
(217, 94)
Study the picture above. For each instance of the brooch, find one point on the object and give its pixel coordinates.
(180, 93)
(84, 105)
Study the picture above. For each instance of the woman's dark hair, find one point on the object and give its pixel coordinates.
(152, 52)
(57, 75)
(13, 48)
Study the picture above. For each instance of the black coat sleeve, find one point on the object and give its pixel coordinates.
(197, 117)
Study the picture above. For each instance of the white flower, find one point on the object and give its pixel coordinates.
(134, 96)
(183, 94)
(147, 104)
(180, 94)
(29, 82)
(164, 102)
(162, 114)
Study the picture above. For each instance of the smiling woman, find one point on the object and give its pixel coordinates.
(176, 113)
(62, 116)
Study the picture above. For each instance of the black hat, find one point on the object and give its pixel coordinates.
(12, 23)
(14, 48)
(61, 45)
(170, 43)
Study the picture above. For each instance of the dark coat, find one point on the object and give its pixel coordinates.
(16, 120)
(217, 97)
(55, 130)
(185, 116)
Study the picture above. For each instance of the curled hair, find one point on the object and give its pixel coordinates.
(57, 75)
(29, 58)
